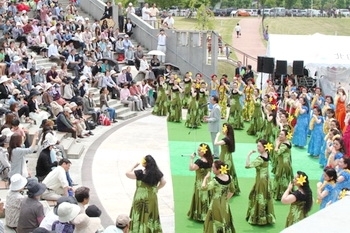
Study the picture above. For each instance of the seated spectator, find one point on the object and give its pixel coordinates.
(15, 128)
(35, 112)
(104, 104)
(52, 216)
(66, 212)
(82, 194)
(17, 155)
(53, 53)
(144, 88)
(14, 199)
(122, 225)
(46, 160)
(52, 75)
(122, 78)
(135, 93)
(83, 86)
(144, 67)
(93, 211)
(9, 117)
(115, 91)
(19, 106)
(128, 74)
(73, 63)
(85, 224)
(64, 124)
(5, 91)
(32, 211)
(119, 45)
(126, 98)
(57, 182)
(89, 106)
(69, 93)
(129, 55)
(78, 121)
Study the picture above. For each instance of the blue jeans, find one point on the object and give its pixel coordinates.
(111, 113)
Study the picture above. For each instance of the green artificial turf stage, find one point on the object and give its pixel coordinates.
(183, 143)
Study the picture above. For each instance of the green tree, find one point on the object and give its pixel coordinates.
(306, 4)
(340, 4)
(205, 18)
(289, 4)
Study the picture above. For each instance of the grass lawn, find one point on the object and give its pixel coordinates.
(307, 26)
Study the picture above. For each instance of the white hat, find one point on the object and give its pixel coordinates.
(18, 182)
(130, 4)
(73, 104)
(113, 72)
(7, 132)
(67, 212)
(87, 18)
(16, 58)
(83, 78)
(122, 220)
(39, 87)
(33, 54)
(49, 141)
(16, 91)
(47, 86)
(126, 36)
(24, 11)
(4, 78)
(124, 68)
(85, 224)
(67, 109)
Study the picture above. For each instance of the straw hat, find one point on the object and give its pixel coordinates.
(84, 224)
(47, 86)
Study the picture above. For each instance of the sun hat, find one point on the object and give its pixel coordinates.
(4, 78)
(49, 141)
(16, 58)
(47, 86)
(67, 212)
(7, 132)
(84, 224)
(35, 188)
(72, 104)
(67, 109)
(93, 211)
(16, 92)
(82, 78)
(122, 220)
(18, 182)
(130, 4)
(126, 35)
(39, 87)
(112, 72)
(61, 200)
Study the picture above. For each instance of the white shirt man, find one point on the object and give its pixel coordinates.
(154, 12)
(162, 44)
(130, 10)
(169, 22)
(53, 50)
(56, 182)
(144, 67)
(87, 70)
(146, 13)
(238, 30)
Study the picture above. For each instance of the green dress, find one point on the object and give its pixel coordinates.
(283, 170)
(187, 93)
(193, 119)
(235, 116)
(219, 217)
(144, 212)
(226, 157)
(201, 198)
(260, 207)
(202, 101)
(256, 123)
(296, 212)
(269, 131)
(160, 106)
(175, 108)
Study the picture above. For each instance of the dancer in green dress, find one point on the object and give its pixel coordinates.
(235, 116)
(193, 119)
(283, 171)
(269, 131)
(300, 200)
(203, 100)
(187, 90)
(201, 198)
(260, 207)
(160, 106)
(175, 103)
(222, 90)
(219, 217)
(227, 148)
(256, 122)
(144, 212)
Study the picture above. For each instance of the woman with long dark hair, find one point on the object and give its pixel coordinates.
(144, 211)
(283, 164)
(200, 199)
(161, 104)
(219, 217)
(343, 180)
(300, 200)
(193, 118)
(228, 146)
(337, 152)
(326, 191)
(260, 207)
(17, 154)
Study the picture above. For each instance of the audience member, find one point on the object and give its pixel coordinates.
(66, 213)
(82, 194)
(122, 225)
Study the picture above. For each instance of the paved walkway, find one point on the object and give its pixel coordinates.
(250, 42)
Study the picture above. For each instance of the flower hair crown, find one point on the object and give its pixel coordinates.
(289, 135)
(223, 169)
(224, 128)
(203, 148)
(268, 147)
(301, 180)
(143, 162)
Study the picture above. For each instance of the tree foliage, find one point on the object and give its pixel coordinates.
(205, 18)
(289, 4)
(306, 4)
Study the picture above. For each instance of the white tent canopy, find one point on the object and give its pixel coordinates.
(328, 55)
(315, 50)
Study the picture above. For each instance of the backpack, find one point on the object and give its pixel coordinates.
(104, 120)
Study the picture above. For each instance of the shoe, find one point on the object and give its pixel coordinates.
(74, 184)
(80, 136)
(90, 133)
(115, 121)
